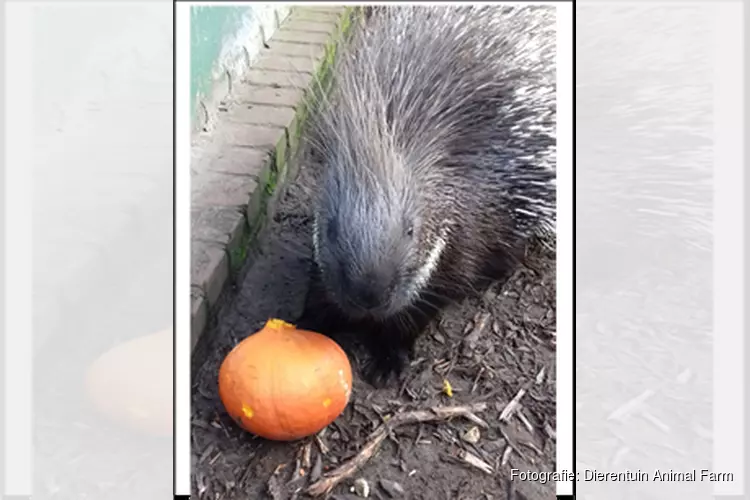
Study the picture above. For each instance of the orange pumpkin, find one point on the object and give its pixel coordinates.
(283, 384)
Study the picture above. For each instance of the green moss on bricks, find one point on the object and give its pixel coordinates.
(257, 211)
(238, 252)
(258, 204)
(236, 246)
(273, 181)
(282, 152)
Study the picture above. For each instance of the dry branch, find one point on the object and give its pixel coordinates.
(348, 468)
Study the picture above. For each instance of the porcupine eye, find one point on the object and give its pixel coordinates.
(409, 231)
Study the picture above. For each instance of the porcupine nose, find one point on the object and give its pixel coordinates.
(372, 290)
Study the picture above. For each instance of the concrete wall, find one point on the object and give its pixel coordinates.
(225, 42)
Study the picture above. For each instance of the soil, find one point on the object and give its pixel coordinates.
(488, 348)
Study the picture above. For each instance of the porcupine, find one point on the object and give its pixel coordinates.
(438, 149)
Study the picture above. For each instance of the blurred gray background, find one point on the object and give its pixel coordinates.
(645, 184)
(99, 100)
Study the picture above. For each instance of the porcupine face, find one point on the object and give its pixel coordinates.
(378, 231)
(374, 239)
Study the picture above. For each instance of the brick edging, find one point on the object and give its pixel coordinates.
(244, 161)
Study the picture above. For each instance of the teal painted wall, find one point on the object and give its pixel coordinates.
(226, 39)
(210, 28)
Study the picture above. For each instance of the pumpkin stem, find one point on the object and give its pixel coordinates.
(278, 324)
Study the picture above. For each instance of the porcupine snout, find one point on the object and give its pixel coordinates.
(368, 292)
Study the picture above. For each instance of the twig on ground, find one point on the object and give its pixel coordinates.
(376, 438)
(475, 461)
(481, 321)
(524, 420)
(321, 444)
(506, 455)
(307, 455)
(510, 408)
(513, 445)
(476, 379)
(550, 431)
(540, 375)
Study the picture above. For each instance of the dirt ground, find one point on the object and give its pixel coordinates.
(488, 349)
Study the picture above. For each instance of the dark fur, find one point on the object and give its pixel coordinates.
(440, 127)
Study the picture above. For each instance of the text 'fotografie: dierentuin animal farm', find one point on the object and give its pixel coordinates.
(638, 475)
